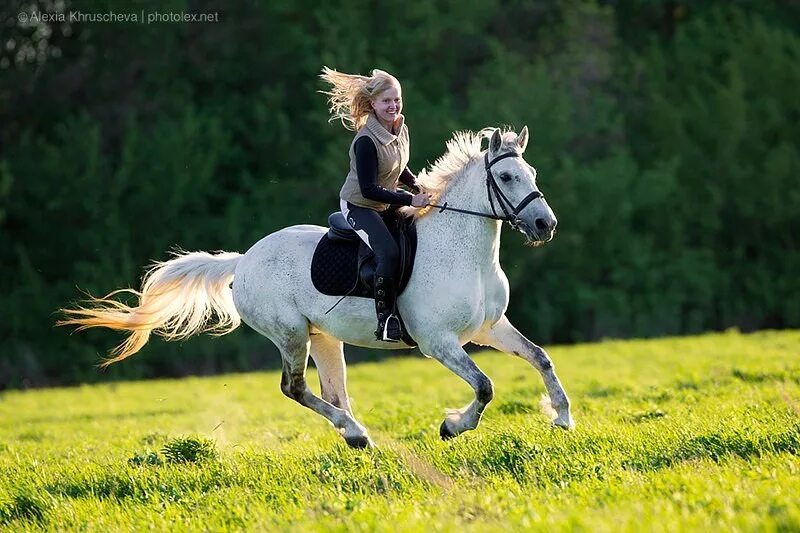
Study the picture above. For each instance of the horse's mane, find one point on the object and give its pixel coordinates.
(462, 148)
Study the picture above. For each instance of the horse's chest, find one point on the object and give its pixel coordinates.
(496, 294)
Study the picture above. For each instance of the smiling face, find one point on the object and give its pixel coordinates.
(388, 104)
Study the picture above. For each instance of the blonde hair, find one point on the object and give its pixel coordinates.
(350, 95)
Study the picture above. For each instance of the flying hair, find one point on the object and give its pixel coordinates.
(350, 95)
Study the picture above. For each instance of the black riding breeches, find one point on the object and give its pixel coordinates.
(369, 225)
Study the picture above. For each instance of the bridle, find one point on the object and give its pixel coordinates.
(510, 213)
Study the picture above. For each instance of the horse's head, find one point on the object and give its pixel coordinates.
(515, 189)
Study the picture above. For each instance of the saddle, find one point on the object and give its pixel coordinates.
(343, 264)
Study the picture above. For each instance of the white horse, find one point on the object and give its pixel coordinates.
(457, 292)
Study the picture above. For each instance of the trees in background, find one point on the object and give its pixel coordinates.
(665, 136)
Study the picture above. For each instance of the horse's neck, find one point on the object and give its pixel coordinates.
(475, 236)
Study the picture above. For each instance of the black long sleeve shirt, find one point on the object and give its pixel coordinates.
(367, 170)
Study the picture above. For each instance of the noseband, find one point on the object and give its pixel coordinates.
(510, 213)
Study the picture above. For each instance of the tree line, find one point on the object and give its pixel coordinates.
(665, 136)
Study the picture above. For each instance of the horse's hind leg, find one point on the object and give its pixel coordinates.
(505, 337)
(450, 353)
(328, 355)
(293, 343)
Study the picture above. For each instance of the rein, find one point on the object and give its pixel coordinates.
(510, 213)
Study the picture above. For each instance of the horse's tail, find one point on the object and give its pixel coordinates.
(185, 295)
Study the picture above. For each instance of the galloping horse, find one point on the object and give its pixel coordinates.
(457, 292)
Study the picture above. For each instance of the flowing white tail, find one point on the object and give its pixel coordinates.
(185, 295)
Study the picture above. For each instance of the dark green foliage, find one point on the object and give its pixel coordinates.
(189, 450)
(146, 458)
(664, 133)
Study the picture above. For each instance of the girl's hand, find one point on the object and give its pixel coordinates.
(421, 200)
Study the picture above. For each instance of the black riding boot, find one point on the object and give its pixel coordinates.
(385, 306)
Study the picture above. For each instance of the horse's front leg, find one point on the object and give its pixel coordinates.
(505, 337)
(449, 352)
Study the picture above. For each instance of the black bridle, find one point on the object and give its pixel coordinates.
(510, 213)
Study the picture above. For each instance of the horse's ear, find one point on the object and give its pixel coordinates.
(522, 139)
(495, 142)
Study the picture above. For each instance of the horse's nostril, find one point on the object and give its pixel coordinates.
(541, 224)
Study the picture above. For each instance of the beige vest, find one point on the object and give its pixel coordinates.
(392, 160)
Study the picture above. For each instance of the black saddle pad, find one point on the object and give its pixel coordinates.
(334, 268)
(336, 263)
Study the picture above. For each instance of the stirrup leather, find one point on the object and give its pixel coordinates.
(389, 327)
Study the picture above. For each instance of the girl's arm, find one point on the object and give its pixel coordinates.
(367, 170)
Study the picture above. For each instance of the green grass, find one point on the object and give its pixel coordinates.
(684, 433)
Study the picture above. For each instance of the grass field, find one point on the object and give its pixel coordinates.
(685, 433)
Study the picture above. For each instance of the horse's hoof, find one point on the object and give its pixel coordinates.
(359, 442)
(444, 431)
(566, 425)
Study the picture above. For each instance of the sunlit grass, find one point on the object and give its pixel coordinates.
(684, 433)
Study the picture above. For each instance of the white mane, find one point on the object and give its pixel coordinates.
(462, 149)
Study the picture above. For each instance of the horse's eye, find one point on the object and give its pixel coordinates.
(505, 176)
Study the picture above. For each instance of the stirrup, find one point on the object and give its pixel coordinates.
(392, 331)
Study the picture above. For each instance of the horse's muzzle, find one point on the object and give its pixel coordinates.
(536, 237)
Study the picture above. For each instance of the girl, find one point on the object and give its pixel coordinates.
(371, 105)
